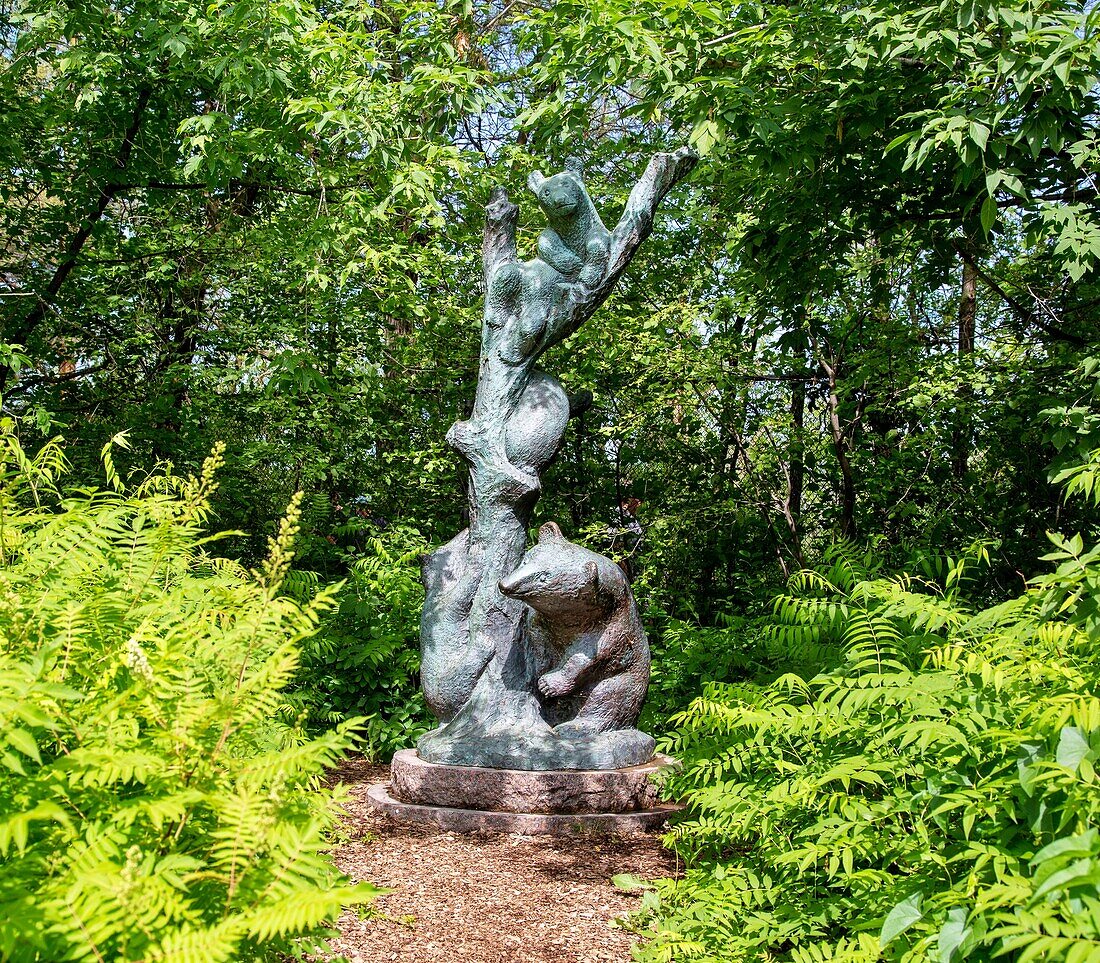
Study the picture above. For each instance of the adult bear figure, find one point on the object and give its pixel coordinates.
(585, 633)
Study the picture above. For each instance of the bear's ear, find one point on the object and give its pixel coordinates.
(602, 594)
(550, 530)
(574, 165)
(535, 180)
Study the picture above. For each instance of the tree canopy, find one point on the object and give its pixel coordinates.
(865, 329)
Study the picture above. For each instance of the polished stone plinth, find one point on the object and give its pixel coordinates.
(557, 802)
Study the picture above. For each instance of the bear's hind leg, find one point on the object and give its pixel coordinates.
(610, 704)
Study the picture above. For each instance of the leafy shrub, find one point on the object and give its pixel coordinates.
(365, 660)
(929, 794)
(685, 656)
(157, 802)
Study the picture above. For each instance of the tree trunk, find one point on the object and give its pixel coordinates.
(796, 471)
(840, 442)
(968, 309)
(20, 330)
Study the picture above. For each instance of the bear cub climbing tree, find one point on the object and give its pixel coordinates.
(535, 662)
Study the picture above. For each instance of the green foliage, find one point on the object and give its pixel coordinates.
(686, 656)
(1076, 435)
(366, 658)
(818, 115)
(929, 794)
(158, 798)
(215, 225)
(862, 160)
(261, 223)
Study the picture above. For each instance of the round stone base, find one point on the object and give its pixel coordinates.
(467, 799)
(553, 792)
(454, 820)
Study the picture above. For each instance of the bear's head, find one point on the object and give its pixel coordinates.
(565, 581)
(561, 196)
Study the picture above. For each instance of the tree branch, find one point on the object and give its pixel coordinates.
(499, 243)
(73, 246)
(244, 185)
(1021, 311)
(23, 384)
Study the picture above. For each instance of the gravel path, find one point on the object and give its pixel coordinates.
(475, 899)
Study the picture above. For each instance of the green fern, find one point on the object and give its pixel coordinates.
(366, 658)
(929, 792)
(158, 800)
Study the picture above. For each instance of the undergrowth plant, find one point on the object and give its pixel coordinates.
(159, 799)
(365, 660)
(929, 793)
(686, 654)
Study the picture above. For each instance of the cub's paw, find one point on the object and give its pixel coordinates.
(554, 684)
(555, 252)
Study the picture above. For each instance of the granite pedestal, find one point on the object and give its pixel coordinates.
(556, 802)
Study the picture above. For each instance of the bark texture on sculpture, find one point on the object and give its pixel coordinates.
(536, 662)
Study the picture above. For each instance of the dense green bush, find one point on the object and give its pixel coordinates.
(686, 656)
(930, 794)
(365, 660)
(158, 798)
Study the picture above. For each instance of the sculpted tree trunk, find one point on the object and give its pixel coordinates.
(479, 672)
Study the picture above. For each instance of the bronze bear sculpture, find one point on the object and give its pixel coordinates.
(586, 637)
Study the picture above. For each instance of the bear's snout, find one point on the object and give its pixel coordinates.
(511, 585)
(562, 202)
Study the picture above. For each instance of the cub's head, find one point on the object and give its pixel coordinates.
(564, 580)
(560, 196)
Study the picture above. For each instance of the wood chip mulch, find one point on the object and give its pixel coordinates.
(489, 897)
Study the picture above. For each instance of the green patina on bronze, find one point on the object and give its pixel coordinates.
(485, 652)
